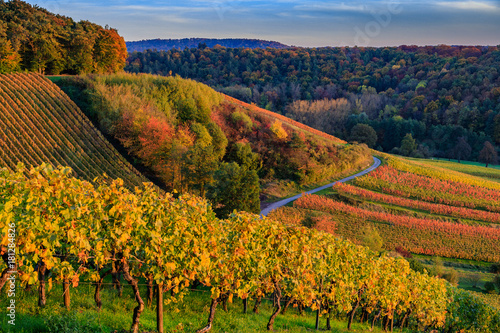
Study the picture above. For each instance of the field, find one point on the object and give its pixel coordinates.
(40, 124)
(169, 123)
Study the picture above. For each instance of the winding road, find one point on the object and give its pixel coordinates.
(283, 202)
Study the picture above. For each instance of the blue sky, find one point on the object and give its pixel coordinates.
(296, 22)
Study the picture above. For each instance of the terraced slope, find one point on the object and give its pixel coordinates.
(40, 123)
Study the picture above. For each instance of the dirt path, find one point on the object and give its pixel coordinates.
(283, 202)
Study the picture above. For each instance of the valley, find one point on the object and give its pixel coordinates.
(243, 185)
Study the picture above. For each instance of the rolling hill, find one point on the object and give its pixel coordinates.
(188, 133)
(40, 124)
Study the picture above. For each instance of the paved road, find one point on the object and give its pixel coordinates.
(283, 202)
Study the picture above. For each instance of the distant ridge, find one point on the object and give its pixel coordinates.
(168, 44)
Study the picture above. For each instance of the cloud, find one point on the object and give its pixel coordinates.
(470, 5)
(329, 6)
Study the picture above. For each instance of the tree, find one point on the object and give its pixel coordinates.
(9, 59)
(242, 154)
(496, 128)
(371, 238)
(278, 130)
(200, 162)
(364, 133)
(234, 187)
(488, 154)
(462, 149)
(31, 38)
(408, 145)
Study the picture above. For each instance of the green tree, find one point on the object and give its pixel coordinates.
(408, 145)
(200, 163)
(488, 154)
(371, 238)
(242, 154)
(219, 139)
(462, 149)
(234, 188)
(364, 133)
(496, 128)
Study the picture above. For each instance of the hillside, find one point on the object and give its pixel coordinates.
(414, 206)
(181, 44)
(194, 139)
(40, 124)
(441, 215)
(437, 93)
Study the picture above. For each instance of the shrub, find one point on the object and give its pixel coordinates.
(490, 287)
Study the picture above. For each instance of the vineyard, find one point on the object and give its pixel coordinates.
(417, 235)
(439, 209)
(40, 124)
(412, 207)
(453, 193)
(490, 173)
(86, 233)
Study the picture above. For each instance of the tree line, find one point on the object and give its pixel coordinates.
(33, 39)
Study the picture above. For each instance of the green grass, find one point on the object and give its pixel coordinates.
(478, 265)
(472, 274)
(492, 172)
(116, 315)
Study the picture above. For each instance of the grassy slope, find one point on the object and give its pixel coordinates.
(491, 173)
(39, 123)
(186, 316)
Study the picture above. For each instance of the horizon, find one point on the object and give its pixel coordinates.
(312, 47)
(298, 23)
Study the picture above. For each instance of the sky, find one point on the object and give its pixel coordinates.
(296, 22)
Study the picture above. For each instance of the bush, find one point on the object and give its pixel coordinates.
(495, 268)
(417, 266)
(451, 277)
(490, 287)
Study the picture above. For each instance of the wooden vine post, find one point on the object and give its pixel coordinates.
(159, 309)
(66, 295)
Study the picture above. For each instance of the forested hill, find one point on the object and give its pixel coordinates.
(180, 44)
(195, 140)
(438, 94)
(33, 39)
